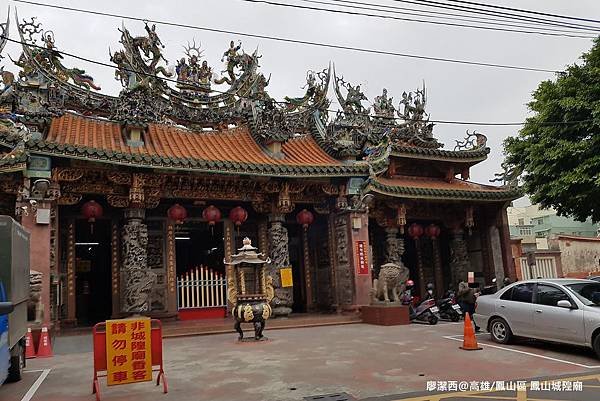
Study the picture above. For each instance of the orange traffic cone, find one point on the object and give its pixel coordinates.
(29, 347)
(44, 347)
(469, 339)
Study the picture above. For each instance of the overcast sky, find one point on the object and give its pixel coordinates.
(455, 92)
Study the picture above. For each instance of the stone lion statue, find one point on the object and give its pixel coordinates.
(390, 283)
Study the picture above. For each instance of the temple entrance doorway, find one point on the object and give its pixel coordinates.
(311, 266)
(199, 244)
(93, 297)
(199, 253)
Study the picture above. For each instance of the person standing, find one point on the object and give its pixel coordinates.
(466, 298)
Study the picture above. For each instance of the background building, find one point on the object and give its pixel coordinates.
(561, 246)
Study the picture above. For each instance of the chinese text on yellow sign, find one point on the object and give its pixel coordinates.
(128, 351)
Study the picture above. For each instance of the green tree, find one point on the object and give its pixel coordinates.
(557, 152)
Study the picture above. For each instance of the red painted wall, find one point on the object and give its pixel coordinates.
(40, 257)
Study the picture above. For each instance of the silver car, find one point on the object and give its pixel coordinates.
(559, 310)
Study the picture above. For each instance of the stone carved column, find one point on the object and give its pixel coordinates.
(344, 274)
(280, 258)
(459, 256)
(394, 246)
(137, 277)
(496, 248)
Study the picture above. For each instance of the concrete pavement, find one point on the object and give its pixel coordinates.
(364, 361)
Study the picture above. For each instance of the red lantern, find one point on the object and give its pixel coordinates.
(177, 213)
(91, 210)
(238, 215)
(415, 231)
(305, 218)
(212, 215)
(432, 231)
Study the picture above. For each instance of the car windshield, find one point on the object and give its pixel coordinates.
(588, 293)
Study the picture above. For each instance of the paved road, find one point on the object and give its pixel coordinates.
(366, 362)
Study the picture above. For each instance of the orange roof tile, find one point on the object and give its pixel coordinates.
(234, 145)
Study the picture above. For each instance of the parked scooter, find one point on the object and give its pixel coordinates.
(448, 309)
(424, 312)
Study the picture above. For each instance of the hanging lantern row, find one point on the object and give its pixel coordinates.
(305, 218)
(415, 231)
(91, 210)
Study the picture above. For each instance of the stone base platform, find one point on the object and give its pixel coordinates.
(385, 314)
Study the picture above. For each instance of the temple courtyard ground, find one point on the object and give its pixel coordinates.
(353, 361)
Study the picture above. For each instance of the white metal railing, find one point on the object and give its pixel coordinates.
(545, 267)
(201, 287)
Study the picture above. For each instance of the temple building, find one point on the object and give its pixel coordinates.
(137, 202)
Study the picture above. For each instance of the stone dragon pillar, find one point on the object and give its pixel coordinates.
(137, 277)
(459, 256)
(280, 258)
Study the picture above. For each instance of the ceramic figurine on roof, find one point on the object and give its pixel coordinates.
(235, 60)
(352, 102)
(316, 92)
(193, 77)
(416, 130)
(141, 56)
(383, 106)
(47, 58)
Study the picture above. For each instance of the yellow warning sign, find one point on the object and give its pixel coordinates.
(286, 277)
(128, 351)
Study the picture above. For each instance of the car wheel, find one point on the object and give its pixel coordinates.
(17, 362)
(500, 331)
(596, 345)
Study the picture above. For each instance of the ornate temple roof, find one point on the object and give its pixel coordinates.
(163, 146)
(429, 188)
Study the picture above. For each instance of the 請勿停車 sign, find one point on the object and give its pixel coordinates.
(128, 351)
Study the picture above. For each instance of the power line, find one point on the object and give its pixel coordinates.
(478, 18)
(520, 10)
(449, 122)
(457, 17)
(475, 10)
(295, 41)
(451, 24)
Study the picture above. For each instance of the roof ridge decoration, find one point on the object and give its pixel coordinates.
(47, 57)
(275, 122)
(355, 129)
